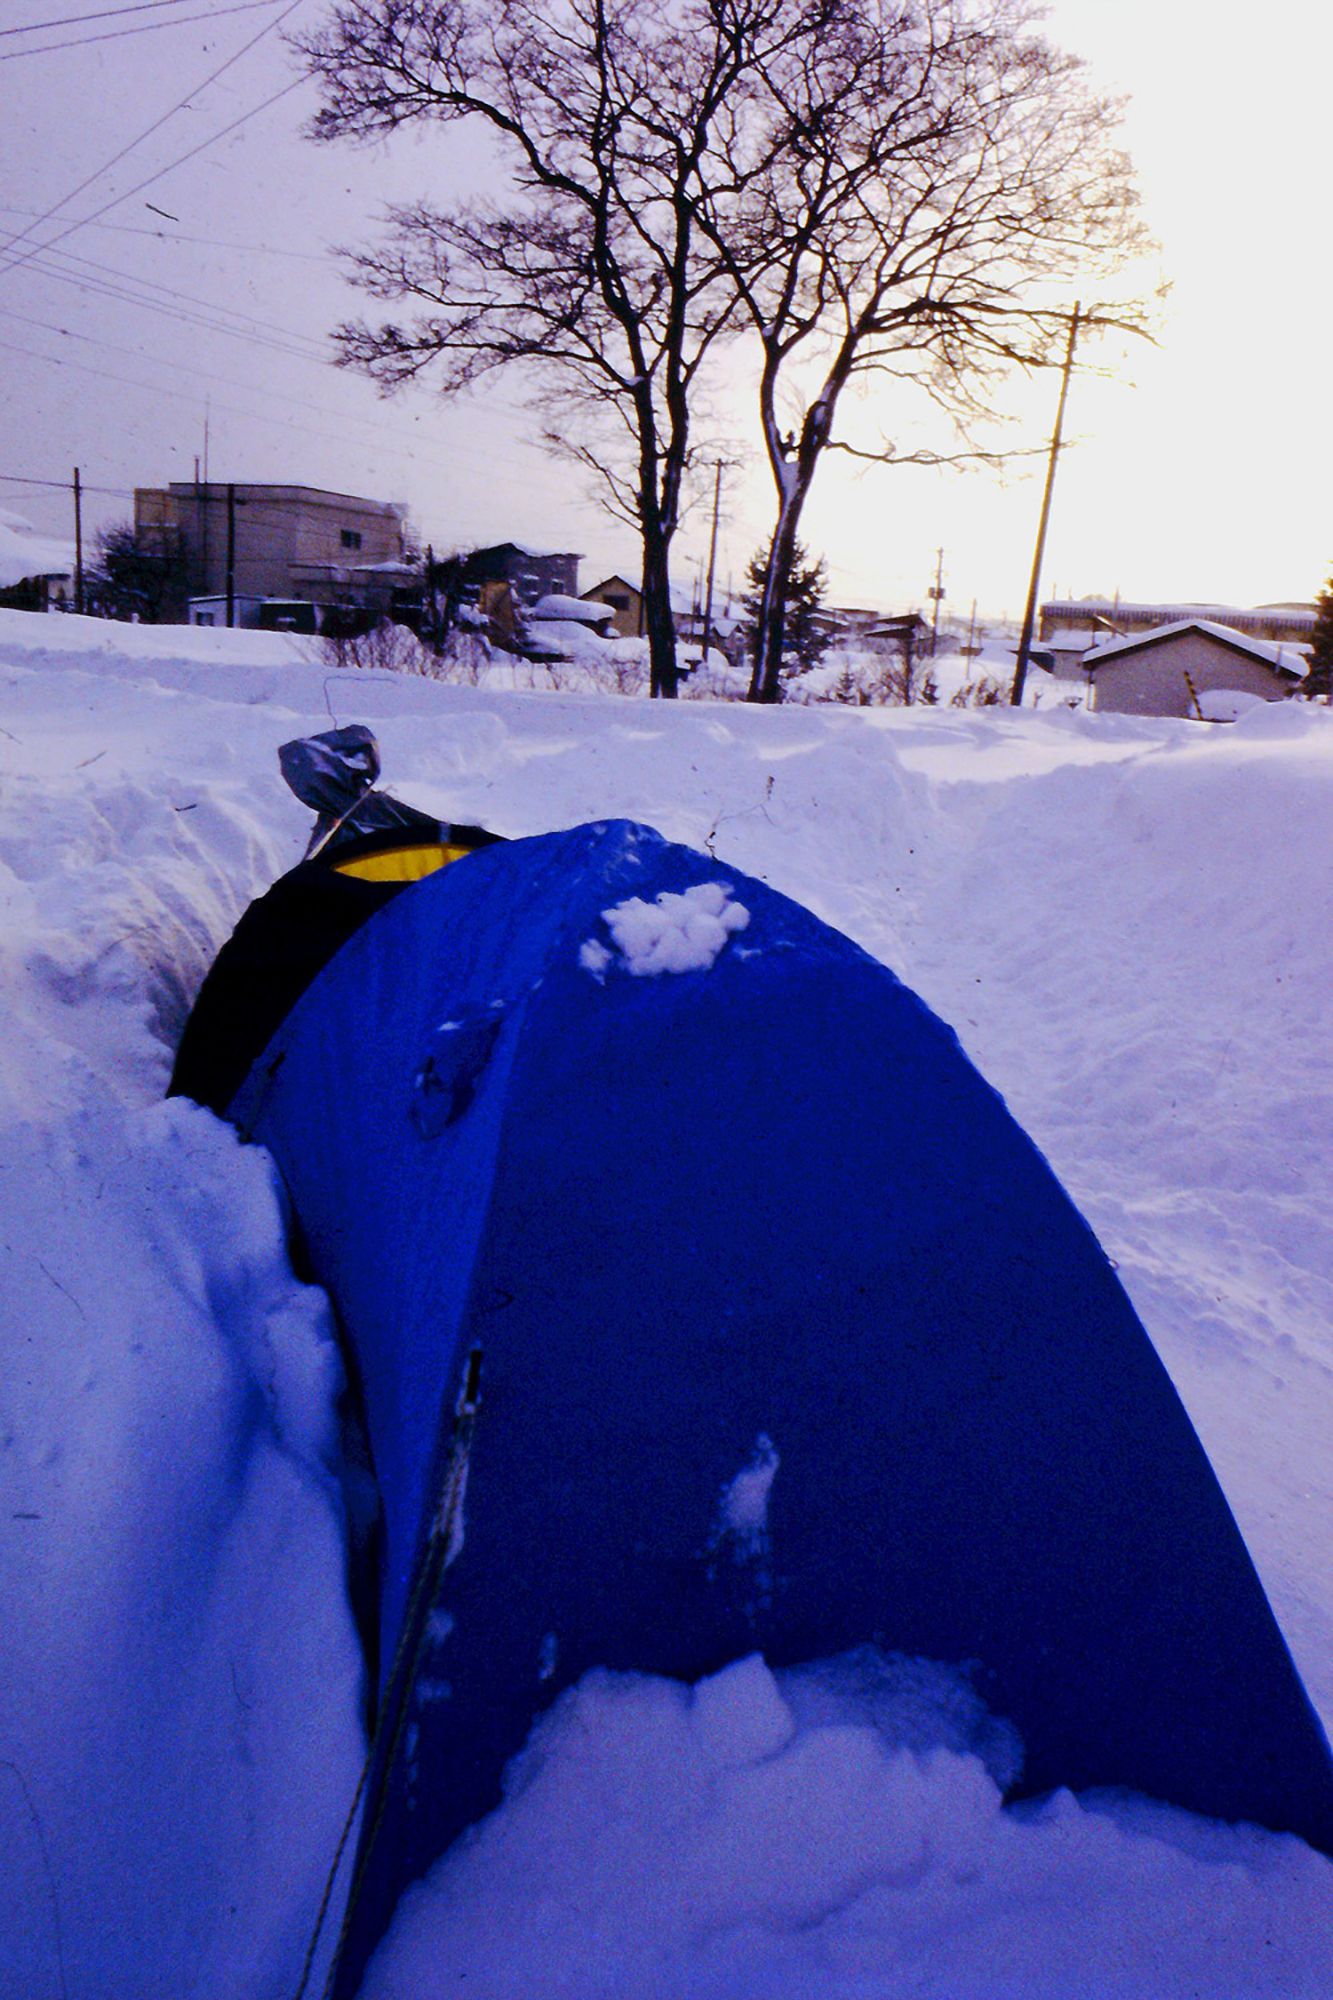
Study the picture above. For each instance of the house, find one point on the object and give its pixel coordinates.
(1169, 670)
(910, 633)
(624, 600)
(296, 544)
(36, 571)
(499, 585)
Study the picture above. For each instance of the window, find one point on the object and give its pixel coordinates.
(617, 600)
(351, 538)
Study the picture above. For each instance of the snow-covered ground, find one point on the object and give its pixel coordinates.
(1127, 922)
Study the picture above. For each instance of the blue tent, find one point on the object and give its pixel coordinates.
(789, 1339)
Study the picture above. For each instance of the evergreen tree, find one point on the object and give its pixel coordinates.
(806, 631)
(1319, 680)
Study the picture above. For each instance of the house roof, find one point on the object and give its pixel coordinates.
(24, 554)
(1284, 659)
(611, 582)
(522, 549)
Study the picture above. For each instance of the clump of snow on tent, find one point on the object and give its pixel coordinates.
(837, 1831)
(678, 931)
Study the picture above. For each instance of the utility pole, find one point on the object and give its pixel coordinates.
(1030, 614)
(231, 556)
(78, 541)
(712, 560)
(936, 592)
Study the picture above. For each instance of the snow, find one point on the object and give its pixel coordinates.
(676, 932)
(777, 1836)
(1100, 908)
(24, 553)
(555, 606)
(743, 1516)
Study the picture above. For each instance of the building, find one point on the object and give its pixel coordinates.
(1170, 670)
(501, 584)
(36, 571)
(625, 602)
(298, 544)
(1098, 618)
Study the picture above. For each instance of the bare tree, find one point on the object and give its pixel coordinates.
(909, 195)
(589, 276)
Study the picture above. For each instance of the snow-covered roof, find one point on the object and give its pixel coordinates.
(1119, 610)
(1284, 659)
(24, 554)
(555, 605)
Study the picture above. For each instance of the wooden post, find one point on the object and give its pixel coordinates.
(231, 556)
(712, 563)
(1030, 614)
(78, 541)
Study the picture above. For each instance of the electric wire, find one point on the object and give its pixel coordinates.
(376, 425)
(184, 236)
(62, 485)
(103, 14)
(142, 28)
(300, 347)
(286, 91)
(147, 133)
(484, 459)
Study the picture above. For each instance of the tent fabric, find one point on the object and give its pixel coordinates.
(290, 934)
(790, 1341)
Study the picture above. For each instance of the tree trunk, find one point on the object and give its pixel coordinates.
(771, 619)
(658, 621)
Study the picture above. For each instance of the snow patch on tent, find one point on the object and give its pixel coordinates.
(679, 931)
(743, 1515)
(825, 1830)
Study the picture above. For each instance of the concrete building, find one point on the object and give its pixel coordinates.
(294, 543)
(1169, 671)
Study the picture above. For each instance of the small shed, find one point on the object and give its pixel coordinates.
(624, 600)
(1165, 672)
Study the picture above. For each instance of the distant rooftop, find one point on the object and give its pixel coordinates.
(1126, 614)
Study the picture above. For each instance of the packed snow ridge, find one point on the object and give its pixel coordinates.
(679, 931)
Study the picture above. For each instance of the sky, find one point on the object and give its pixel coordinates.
(190, 314)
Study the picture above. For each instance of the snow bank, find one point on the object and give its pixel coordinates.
(1128, 923)
(836, 1831)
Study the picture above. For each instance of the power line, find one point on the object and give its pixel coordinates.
(189, 312)
(207, 375)
(488, 458)
(62, 485)
(147, 133)
(286, 91)
(183, 236)
(105, 14)
(141, 28)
